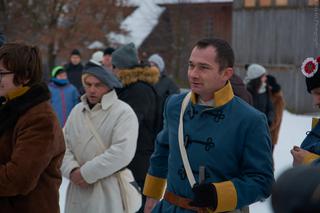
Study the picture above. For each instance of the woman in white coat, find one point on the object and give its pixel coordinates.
(90, 164)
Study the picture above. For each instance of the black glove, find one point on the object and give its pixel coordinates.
(205, 195)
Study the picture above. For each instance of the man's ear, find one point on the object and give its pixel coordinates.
(227, 73)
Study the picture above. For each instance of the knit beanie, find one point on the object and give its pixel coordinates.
(108, 51)
(97, 58)
(104, 75)
(297, 190)
(75, 52)
(157, 59)
(311, 70)
(125, 57)
(56, 70)
(254, 71)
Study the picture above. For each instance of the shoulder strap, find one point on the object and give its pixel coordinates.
(181, 141)
(93, 130)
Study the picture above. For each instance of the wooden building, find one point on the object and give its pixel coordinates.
(278, 34)
(180, 26)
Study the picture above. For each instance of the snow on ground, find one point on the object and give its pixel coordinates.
(292, 132)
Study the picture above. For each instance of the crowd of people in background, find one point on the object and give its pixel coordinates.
(92, 120)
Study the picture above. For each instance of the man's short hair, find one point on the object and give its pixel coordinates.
(24, 61)
(225, 55)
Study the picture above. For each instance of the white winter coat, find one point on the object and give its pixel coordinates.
(117, 125)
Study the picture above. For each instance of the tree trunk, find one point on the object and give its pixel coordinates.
(51, 56)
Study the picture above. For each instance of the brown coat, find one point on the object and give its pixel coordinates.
(278, 105)
(31, 154)
(240, 89)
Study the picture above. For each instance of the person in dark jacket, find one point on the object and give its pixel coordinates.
(165, 86)
(309, 150)
(31, 140)
(297, 190)
(64, 96)
(74, 70)
(256, 80)
(107, 57)
(139, 93)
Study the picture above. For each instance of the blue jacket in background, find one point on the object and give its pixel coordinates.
(64, 96)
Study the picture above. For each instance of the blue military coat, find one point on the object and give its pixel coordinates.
(232, 142)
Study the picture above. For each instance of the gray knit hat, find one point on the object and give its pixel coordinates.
(104, 75)
(157, 59)
(125, 57)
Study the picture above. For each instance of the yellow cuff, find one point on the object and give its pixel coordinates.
(227, 196)
(154, 187)
(310, 157)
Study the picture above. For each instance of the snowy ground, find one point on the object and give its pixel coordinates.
(292, 132)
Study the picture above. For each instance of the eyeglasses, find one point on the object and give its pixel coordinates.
(4, 73)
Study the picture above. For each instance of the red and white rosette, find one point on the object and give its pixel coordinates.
(310, 66)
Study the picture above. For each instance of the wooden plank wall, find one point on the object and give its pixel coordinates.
(279, 39)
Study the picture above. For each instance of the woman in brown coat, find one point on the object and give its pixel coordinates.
(31, 141)
(278, 105)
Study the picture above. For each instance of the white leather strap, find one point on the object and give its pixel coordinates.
(94, 131)
(183, 151)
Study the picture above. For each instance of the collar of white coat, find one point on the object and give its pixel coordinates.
(107, 100)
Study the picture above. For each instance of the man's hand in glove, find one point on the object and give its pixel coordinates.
(205, 195)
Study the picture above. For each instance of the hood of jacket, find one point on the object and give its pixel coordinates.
(146, 74)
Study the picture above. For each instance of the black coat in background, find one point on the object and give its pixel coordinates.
(166, 87)
(139, 93)
(74, 73)
(263, 103)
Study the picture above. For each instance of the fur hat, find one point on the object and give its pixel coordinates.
(97, 58)
(75, 52)
(297, 190)
(254, 71)
(125, 57)
(310, 69)
(157, 59)
(104, 75)
(56, 70)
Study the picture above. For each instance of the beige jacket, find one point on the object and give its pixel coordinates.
(117, 125)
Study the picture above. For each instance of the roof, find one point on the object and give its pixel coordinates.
(143, 20)
(139, 2)
(139, 24)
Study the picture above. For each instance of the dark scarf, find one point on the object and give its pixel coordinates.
(11, 111)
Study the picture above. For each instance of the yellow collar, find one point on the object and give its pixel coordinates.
(221, 97)
(16, 93)
(314, 122)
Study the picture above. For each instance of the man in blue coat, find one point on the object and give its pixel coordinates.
(222, 134)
